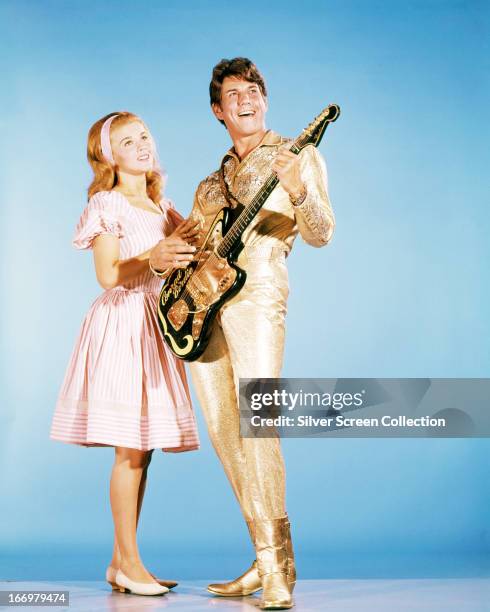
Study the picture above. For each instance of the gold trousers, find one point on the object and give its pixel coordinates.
(247, 342)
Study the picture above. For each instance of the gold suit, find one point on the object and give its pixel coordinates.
(248, 340)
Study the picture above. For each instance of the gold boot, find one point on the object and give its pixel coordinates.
(290, 554)
(246, 584)
(272, 563)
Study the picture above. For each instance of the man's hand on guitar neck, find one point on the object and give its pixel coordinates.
(287, 167)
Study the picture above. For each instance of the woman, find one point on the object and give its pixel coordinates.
(123, 387)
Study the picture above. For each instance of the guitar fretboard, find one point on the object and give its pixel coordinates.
(247, 215)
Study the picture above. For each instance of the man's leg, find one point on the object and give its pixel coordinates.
(213, 380)
(254, 329)
(253, 336)
(255, 341)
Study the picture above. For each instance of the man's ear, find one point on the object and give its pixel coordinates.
(217, 112)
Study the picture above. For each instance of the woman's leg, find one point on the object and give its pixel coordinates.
(116, 555)
(126, 482)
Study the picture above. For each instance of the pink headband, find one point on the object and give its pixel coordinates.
(105, 139)
(105, 143)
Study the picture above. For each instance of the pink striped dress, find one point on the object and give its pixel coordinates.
(123, 386)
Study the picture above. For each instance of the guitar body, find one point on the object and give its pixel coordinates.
(191, 297)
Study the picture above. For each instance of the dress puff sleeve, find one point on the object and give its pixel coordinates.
(172, 217)
(101, 216)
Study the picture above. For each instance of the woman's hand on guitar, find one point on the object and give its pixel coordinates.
(171, 252)
(188, 231)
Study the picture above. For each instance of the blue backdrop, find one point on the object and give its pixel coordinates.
(401, 291)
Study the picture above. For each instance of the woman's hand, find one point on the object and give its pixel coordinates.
(176, 251)
(188, 231)
(171, 253)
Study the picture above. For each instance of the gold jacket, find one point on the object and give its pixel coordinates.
(278, 222)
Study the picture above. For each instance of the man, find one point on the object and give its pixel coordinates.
(248, 339)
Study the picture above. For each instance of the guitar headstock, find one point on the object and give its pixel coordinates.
(315, 130)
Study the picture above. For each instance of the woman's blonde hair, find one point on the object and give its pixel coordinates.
(105, 177)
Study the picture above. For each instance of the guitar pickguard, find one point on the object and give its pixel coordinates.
(210, 280)
(178, 314)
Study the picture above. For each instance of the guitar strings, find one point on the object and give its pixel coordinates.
(231, 236)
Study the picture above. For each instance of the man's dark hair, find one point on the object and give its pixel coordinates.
(239, 67)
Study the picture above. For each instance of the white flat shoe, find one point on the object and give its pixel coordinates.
(138, 588)
(110, 576)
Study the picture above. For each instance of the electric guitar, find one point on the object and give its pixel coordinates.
(191, 297)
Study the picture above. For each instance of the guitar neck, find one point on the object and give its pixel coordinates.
(249, 212)
(310, 135)
(246, 217)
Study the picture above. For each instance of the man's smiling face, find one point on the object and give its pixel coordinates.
(242, 107)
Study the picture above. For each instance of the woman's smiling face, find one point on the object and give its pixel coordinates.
(132, 147)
